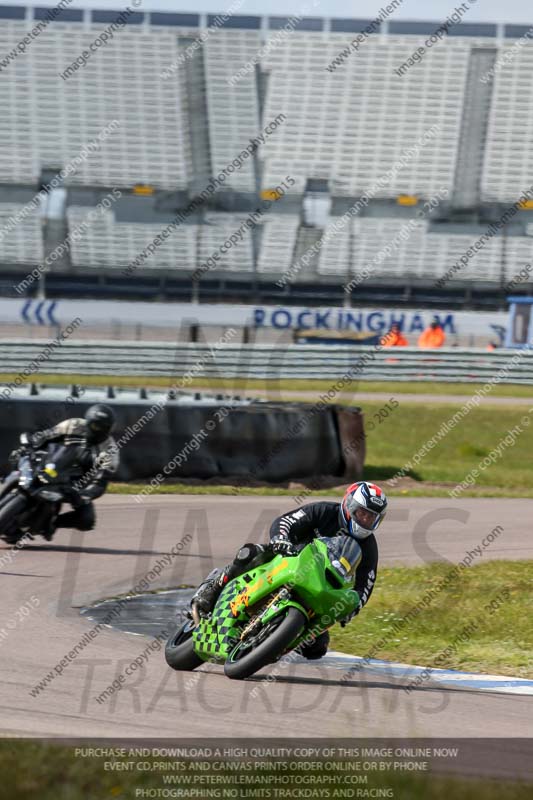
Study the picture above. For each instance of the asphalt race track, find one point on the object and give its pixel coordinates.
(53, 581)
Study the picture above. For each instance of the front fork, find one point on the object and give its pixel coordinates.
(283, 599)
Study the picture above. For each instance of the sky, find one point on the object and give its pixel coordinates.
(511, 11)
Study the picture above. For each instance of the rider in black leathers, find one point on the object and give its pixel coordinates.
(89, 443)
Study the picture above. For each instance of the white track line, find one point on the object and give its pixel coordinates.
(427, 676)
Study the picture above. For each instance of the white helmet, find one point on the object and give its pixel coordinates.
(363, 508)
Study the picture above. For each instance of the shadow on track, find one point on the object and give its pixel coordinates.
(25, 575)
(352, 684)
(106, 551)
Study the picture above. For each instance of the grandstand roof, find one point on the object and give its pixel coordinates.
(266, 22)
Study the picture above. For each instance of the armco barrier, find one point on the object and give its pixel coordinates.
(254, 441)
(265, 362)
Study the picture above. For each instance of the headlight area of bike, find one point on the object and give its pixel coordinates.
(25, 473)
(344, 555)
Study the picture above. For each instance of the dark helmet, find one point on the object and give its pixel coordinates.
(100, 421)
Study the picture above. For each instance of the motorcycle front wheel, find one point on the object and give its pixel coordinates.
(251, 655)
(9, 511)
(179, 650)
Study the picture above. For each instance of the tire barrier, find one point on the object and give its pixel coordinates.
(207, 438)
(353, 441)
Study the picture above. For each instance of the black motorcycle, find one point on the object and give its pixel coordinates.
(32, 494)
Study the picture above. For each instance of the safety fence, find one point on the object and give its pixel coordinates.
(193, 362)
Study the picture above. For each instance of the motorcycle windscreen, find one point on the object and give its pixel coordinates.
(345, 554)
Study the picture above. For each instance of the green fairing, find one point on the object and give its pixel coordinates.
(323, 601)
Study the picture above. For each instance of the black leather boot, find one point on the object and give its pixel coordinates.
(208, 592)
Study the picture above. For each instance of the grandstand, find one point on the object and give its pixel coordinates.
(159, 119)
(24, 242)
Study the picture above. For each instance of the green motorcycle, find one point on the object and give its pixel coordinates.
(272, 609)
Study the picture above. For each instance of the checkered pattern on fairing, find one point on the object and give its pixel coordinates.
(215, 637)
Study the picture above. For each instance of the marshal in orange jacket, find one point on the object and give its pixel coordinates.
(432, 337)
(394, 338)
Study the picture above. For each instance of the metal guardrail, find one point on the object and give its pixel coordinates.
(266, 362)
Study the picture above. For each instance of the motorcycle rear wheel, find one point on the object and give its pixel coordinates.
(241, 664)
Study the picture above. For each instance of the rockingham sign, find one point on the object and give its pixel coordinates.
(348, 320)
(174, 315)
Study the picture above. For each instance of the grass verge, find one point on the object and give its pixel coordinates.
(459, 626)
(281, 491)
(243, 384)
(394, 441)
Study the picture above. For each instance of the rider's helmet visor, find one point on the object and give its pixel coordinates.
(366, 518)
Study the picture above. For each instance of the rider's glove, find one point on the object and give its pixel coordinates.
(24, 448)
(282, 546)
(15, 456)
